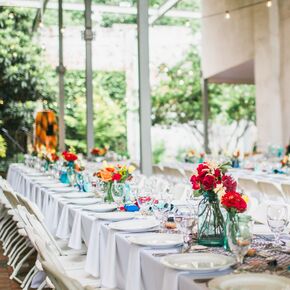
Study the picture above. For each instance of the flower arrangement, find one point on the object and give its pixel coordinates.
(234, 202)
(210, 176)
(110, 174)
(192, 156)
(285, 162)
(99, 151)
(118, 173)
(69, 156)
(211, 181)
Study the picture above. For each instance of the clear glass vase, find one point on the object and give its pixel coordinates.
(109, 195)
(211, 225)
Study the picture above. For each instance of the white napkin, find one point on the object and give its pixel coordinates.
(63, 230)
(133, 278)
(93, 256)
(108, 278)
(170, 279)
(75, 241)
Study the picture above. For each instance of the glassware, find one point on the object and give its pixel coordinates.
(185, 220)
(277, 219)
(239, 236)
(71, 176)
(119, 192)
(144, 198)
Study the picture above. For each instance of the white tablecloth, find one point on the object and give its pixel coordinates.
(109, 254)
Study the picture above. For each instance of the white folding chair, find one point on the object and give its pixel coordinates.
(271, 192)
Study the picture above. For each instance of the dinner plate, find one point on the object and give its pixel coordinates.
(250, 281)
(101, 207)
(55, 185)
(135, 225)
(77, 194)
(83, 201)
(61, 189)
(117, 216)
(198, 262)
(157, 240)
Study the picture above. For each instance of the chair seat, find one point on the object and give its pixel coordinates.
(72, 262)
(84, 278)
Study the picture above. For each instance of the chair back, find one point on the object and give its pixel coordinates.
(270, 191)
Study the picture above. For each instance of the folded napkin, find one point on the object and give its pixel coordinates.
(92, 265)
(75, 241)
(133, 278)
(109, 279)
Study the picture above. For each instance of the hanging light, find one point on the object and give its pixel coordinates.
(227, 15)
(269, 3)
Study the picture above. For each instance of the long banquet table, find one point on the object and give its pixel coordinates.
(110, 256)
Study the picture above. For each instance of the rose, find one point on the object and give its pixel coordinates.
(117, 177)
(209, 182)
(202, 170)
(229, 183)
(195, 182)
(54, 157)
(106, 175)
(234, 200)
(68, 156)
(95, 151)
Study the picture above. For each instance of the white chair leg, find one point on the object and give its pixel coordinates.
(8, 239)
(20, 264)
(42, 285)
(19, 253)
(13, 241)
(28, 278)
(15, 250)
(7, 231)
(5, 227)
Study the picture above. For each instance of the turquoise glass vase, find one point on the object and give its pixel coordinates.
(211, 225)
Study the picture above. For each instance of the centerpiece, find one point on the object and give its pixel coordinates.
(111, 174)
(68, 172)
(211, 181)
(234, 203)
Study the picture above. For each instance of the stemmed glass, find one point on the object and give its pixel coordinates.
(277, 219)
(119, 193)
(240, 236)
(144, 198)
(185, 220)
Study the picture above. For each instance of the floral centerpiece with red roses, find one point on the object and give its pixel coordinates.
(111, 174)
(99, 151)
(211, 181)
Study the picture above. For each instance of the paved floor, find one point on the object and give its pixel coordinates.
(5, 272)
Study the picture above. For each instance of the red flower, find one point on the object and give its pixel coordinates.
(217, 173)
(95, 151)
(117, 177)
(202, 170)
(195, 182)
(209, 182)
(69, 156)
(234, 200)
(229, 183)
(54, 157)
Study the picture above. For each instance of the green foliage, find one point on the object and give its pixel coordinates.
(3, 147)
(158, 152)
(109, 110)
(23, 77)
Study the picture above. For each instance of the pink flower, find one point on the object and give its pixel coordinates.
(229, 183)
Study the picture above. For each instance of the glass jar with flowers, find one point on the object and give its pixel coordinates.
(111, 174)
(67, 174)
(234, 203)
(209, 181)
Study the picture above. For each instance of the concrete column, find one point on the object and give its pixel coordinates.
(267, 76)
(88, 35)
(144, 88)
(61, 72)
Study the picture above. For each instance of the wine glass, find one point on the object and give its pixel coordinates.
(144, 198)
(71, 176)
(239, 234)
(185, 220)
(119, 192)
(277, 219)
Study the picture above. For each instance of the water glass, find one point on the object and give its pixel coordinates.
(239, 235)
(277, 219)
(144, 198)
(119, 192)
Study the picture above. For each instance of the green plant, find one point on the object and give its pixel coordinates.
(3, 147)
(158, 152)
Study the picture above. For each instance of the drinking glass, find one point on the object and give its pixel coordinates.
(71, 176)
(144, 198)
(119, 192)
(239, 234)
(277, 219)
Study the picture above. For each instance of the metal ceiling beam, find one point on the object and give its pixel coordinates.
(165, 7)
(187, 14)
